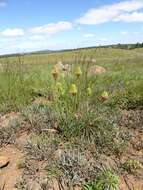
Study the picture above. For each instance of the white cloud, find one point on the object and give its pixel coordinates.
(36, 37)
(88, 35)
(3, 4)
(104, 40)
(124, 33)
(132, 17)
(124, 11)
(37, 32)
(15, 32)
(79, 28)
(51, 28)
(20, 40)
(128, 6)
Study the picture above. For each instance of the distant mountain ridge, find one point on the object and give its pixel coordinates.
(117, 46)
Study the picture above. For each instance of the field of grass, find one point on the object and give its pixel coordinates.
(82, 131)
(21, 75)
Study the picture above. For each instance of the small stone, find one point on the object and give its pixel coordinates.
(94, 70)
(77, 187)
(55, 184)
(4, 161)
(58, 154)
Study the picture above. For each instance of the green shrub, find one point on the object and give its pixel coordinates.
(41, 147)
(106, 180)
(132, 165)
(40, 118)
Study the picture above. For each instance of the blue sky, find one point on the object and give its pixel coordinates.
(60, 24)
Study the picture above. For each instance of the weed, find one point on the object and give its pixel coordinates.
(106, 180)
(41, 147)
(41, 118)
(8, 133)
(22, 185)
(21, 164)
(132, 165)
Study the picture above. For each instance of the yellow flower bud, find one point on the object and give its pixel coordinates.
(104, 96)
(60, 88)
(73, 90)
(55, 72)
(78, 72)
(59, 85)
(89, 91)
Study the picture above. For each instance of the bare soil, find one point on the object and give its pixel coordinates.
(10, 174)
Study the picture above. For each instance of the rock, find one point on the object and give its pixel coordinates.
(94, 70)
(4, 161)
(58, 154)
(5, 120)
(42, 101)
(66, 68)
(77, 187)
(34, 185)
(55, 184)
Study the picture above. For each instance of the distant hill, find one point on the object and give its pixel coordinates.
(117, 46)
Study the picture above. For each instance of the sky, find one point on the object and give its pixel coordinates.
(31, 25)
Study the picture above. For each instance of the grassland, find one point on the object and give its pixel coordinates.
(75, 129)
(125, 65)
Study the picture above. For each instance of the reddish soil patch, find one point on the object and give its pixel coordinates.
(130, 182)
(10, 174)
(133, 123)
